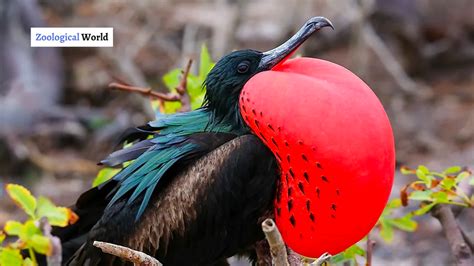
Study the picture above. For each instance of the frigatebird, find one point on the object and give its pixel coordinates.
(201, 182)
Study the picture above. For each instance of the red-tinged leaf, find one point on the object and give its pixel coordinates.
(72, 216)
(434, 183)
(23, 198)
(417, 186)
(404, 196)
(57, 216)
(406, 171)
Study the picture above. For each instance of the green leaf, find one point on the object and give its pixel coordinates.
(452, 170)
(13, 228)
(424, 209)
(423, 176)
(395, 203)
(197, 102)
(10, 257)
(57, 216)
(471, 182)
(420, 195)
(349, 254)
(171, 79)
(28, 262)
(23, 198)
(172, 107)
(440, 197)
(28, 230)
(404, 223)
(339, 258)
(354, 250)
(386, 231)
(2, 237)
(205, 62)
(463, 175)
(406, 171)
(41, 244)
(104, 175)
(448, 183)
(423, 169)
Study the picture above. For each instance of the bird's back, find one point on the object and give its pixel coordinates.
(203, 211)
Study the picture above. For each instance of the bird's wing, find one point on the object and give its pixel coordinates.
(91, 205)
(205, 210)
(163, 143)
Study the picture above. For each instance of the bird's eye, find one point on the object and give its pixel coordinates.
(243, 67)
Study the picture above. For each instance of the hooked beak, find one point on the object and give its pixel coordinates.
(273, 57)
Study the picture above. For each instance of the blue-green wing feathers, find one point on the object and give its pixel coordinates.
(174, 138)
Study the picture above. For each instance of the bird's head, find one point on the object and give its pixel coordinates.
(228, 77)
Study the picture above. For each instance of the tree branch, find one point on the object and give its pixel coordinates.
(170, 97)
(182, 88)
(128, 254)
(275, 241)
(182, 94)
(370, 246)
(459, 248)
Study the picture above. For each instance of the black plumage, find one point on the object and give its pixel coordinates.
(228, 191)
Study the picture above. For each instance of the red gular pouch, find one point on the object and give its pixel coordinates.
(335, 147)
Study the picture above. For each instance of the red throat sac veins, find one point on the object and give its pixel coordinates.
(334, 144)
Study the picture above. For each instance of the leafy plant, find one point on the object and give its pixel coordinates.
(28, 234)
(349, 255)
(433, 188)
(195, 89)
(387, 222)
(429, 189)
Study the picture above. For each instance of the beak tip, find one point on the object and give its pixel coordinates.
(321, 22)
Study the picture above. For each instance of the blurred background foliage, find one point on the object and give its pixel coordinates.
(58, 119)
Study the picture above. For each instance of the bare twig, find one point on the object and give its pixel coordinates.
(128, 254)
(325, 257)
(467, 239)
(370, 246)
(275, 241)
(56, 254)
(182, 94)
(182, 88)
(459, 248)
(170, 97)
